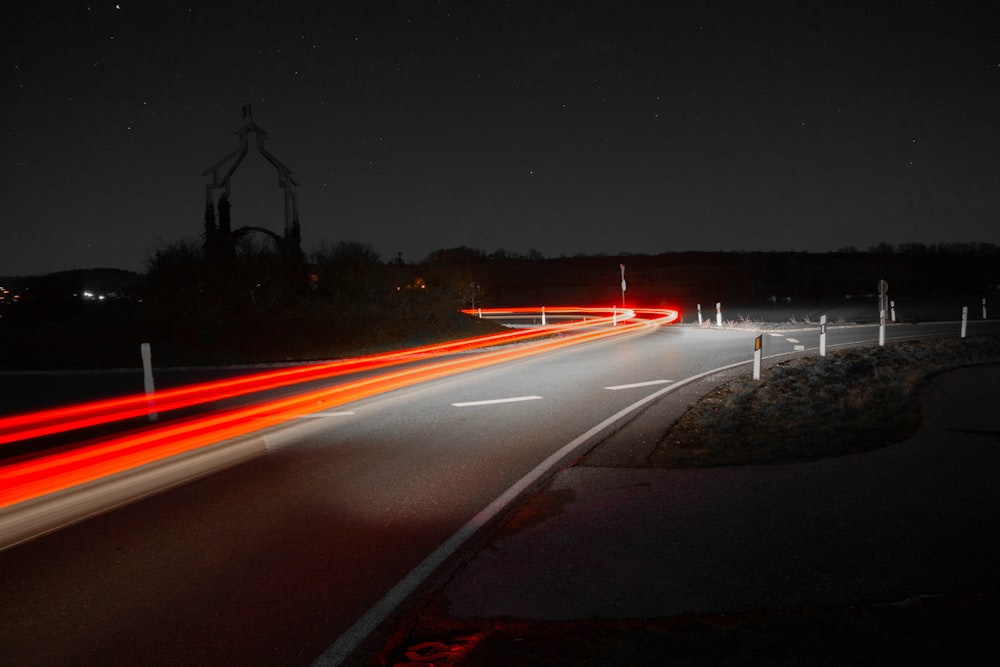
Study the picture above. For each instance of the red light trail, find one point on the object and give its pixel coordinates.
(47, 473)
(58, 420)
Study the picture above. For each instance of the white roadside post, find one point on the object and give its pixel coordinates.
(699, 314)
(480, 313)
(965, 319)
(718, 314)
(622, 267)
(984, 307)
(758, 343)
(883, 296)
(543, 316)
(822, 335)
(614, 316)
(892, 310)
(147, 377)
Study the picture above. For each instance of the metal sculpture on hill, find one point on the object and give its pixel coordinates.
(220, 238)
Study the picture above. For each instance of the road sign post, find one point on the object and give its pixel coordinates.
(883, 303)
(147, 377)
(822, 335)
(622, 267)
(758, 344)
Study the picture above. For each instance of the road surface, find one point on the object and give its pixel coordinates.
(271, 561)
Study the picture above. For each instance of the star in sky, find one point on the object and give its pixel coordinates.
(595, 128)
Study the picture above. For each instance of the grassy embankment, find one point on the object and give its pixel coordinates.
(100, 337)
(811, 407)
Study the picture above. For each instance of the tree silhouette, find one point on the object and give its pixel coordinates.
(211, 230)
(225, 223)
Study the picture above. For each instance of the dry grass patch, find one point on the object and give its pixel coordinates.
(812, 407)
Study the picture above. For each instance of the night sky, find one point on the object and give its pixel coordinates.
(563, 127)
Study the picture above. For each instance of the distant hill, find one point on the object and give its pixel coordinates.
(98, 317)
(912, 270)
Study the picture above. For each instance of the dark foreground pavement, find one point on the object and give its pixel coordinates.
(878, 558)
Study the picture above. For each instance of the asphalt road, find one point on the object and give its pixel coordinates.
(271, 561)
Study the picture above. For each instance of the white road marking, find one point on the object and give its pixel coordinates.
(792, 340)
(315, 415)
(800, 348)
(776, 335)
(650, 383)
(341, 649)
(497, 400)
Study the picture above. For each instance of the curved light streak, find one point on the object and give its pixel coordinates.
(58, 420)
(48, 473)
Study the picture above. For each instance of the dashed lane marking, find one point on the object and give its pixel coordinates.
(316, 415)
(346, 644)
(494, 401)
(649, 383)
(792, 340)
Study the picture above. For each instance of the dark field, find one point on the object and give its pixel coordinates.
(357, 305)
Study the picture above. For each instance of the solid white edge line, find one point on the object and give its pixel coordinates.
(494, 401)
(357, 633)
(635, 385)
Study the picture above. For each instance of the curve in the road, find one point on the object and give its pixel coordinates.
(54, 474)
(356, 634)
